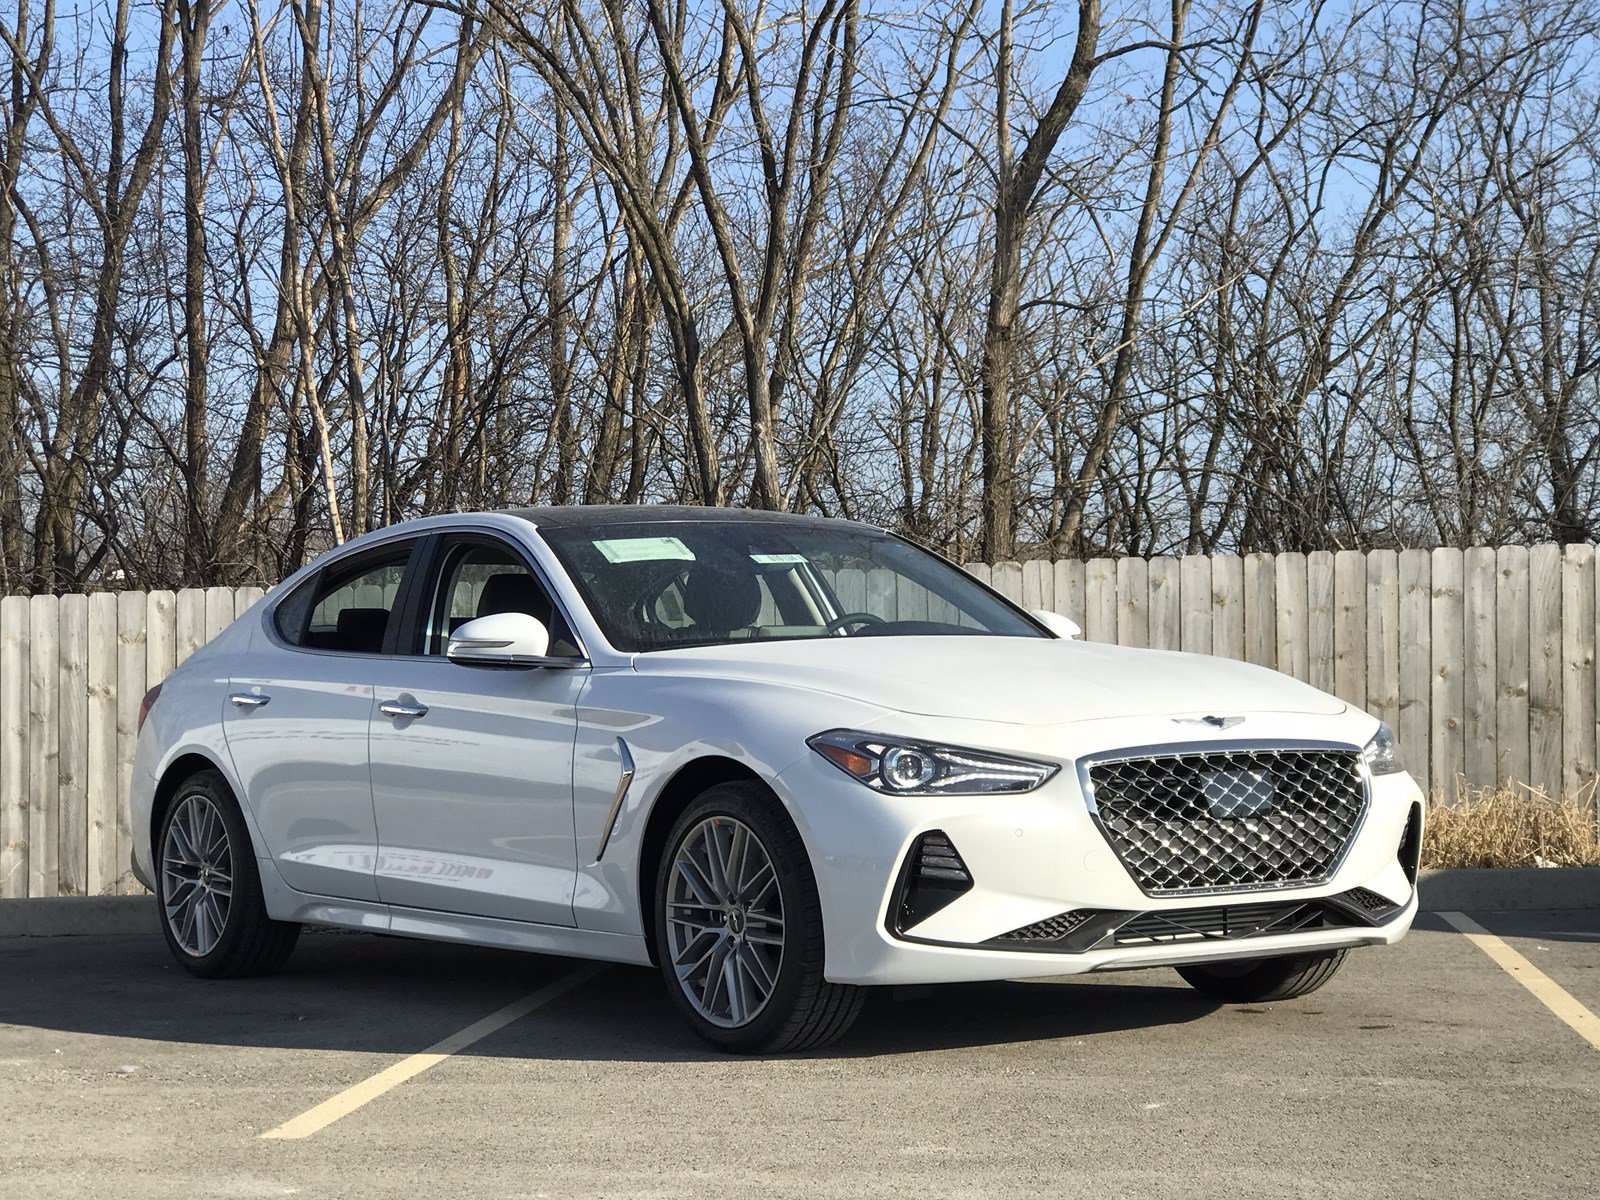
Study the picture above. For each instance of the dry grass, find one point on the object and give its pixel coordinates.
(1512, 827)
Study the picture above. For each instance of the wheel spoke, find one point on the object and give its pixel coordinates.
(738, 859)
(760, 975)
(717, 859)
(697, 881)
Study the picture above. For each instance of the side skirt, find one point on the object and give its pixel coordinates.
(286, 904)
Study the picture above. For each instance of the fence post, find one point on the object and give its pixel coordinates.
(44, 747)
(13, 747)
(1577, 655)
(73, 766)
(104, 654)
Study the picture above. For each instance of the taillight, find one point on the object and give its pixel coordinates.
(146, 705)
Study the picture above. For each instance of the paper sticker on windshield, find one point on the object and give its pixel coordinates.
(644, 549)
(774, 559)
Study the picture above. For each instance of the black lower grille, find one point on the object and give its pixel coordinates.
(1051, 929)
(1369, 902)
(1229, 923)
(1229, 819)
(1082, 929)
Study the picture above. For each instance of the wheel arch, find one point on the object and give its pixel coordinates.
(184, 766)
(679, 791)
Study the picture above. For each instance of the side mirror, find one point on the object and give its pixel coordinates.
(1062, 627)
(510, 639)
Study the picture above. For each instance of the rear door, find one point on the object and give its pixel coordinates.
(472, 766)
(297, 729)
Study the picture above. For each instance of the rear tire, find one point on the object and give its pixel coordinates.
(739, 928)
(1254, 981)
(208, 890)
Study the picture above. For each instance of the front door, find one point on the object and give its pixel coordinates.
(472, 766)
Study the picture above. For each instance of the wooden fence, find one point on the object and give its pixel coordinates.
(1482, 660)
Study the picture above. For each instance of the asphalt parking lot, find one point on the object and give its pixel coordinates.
(1422, 1069)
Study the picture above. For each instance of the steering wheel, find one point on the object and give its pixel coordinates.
(840, 623)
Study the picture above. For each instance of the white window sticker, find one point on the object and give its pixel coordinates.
(644, 549)
(775, 559)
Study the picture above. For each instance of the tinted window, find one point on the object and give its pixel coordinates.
(350, 604)
(660, 585)
(480, 579)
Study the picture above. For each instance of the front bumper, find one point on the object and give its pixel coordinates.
(1036, 856)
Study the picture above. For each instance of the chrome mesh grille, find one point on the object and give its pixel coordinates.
(1229, 819)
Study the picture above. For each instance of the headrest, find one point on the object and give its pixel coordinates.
(718, 599)
(513, 591)
(361, 629)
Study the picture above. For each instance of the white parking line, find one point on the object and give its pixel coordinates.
(346, 1102)
(1550, 993)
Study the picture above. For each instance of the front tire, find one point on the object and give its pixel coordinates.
(739, 928)
(208, 890)
(1256, 981)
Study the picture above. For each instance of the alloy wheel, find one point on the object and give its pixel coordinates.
(196, 875)
(724, 921)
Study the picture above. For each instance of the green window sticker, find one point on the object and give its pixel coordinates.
(644, 549)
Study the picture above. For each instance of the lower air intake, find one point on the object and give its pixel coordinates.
(932, 877)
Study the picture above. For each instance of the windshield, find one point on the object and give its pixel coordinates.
(664, 585)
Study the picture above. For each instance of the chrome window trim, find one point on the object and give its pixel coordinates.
(1224, 746)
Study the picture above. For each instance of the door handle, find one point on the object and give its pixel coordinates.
(400, 709)
(248, 699)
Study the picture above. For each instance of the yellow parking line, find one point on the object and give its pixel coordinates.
(1550, 993)
(368, 1090)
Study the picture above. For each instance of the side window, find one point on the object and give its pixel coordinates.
(350, 607)
(479, 579)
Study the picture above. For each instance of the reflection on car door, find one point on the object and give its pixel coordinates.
(296, 728)
(472, 767)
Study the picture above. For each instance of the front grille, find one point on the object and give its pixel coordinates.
(1228, 923)
(1229, 819)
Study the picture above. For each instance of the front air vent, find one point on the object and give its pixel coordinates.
(932, 877)
(1051, 929)
(1411, 845)
(1368, 901)
(1226, 923)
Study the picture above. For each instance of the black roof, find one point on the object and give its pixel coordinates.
(572, 516)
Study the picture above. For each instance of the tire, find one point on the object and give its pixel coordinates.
(213, 915)
(1253, 981)
(724, 929)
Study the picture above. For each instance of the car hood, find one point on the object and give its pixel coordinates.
(1024, 681)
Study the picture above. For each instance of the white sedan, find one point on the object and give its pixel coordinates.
(783, 758)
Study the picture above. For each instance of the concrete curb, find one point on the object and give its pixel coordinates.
(1509, 889)
(58, 916)
(1506, 889)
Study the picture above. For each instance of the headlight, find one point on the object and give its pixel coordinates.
(1383, 753)
(899, 767)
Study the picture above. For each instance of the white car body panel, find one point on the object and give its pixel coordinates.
(495, 811)
(474, 800)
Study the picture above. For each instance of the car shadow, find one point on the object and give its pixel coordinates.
(369, 993)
